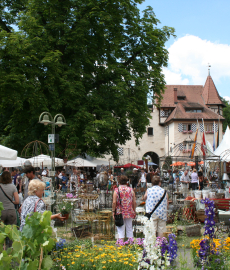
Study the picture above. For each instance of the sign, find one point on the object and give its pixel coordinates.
(50, 138)
(51, 147)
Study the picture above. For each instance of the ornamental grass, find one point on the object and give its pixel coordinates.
(96, 257)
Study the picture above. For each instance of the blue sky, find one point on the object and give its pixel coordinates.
(202, 30)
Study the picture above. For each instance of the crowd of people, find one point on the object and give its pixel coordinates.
(23, 190)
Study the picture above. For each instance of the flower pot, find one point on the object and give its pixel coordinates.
(66, 216)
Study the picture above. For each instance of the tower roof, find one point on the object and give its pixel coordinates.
(210, 93)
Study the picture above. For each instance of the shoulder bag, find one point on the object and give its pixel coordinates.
(148, 215)
(17, 214)
(119, 221)
(35, 207)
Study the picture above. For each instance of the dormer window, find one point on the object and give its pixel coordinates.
(180, 97)
(194, 110)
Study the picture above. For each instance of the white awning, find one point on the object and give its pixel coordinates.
(7, 153)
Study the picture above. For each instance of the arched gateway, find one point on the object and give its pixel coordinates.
(154, 158)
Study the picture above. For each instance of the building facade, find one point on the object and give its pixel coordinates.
(175, 122)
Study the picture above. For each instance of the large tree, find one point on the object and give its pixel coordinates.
(94, 61)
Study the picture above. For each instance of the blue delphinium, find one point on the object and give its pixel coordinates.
(60, 244)
(209, 220)
(172, 247)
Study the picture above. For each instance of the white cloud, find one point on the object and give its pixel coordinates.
(173, 77)
(227, 98)
(189, 57)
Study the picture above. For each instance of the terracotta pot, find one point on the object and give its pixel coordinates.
(66, 216)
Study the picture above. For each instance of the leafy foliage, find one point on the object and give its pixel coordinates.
(226, 114)
(95, 62)
(30, 247)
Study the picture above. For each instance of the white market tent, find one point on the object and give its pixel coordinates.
(7, 153)
(18, 162)
(80, 162)
(44, 160)
(224, 146)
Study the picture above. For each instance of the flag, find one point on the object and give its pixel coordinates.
(214, 138)
(218, 135)
(203, 145)
(194, 145)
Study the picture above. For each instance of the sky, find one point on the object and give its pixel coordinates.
(202, 28)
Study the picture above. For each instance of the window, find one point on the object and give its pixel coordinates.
(150, 131)
(196, 111)
(208, 127)
(180, 98)
(187, 127)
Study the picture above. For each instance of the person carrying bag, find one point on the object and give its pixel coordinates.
(148, 215)
(156, 206)
(16, 211)
(124, 208)
(118, 217)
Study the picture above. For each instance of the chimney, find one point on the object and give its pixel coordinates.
(175, 95)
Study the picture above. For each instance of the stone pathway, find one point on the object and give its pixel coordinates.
(184, 260)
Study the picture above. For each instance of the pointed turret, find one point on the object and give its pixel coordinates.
(210, 93)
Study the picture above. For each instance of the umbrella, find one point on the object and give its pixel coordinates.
(178, 163)
(129, 165)
(7, 153)
(191, 164)
(152, 163)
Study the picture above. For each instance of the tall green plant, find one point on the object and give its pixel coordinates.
(30, 247)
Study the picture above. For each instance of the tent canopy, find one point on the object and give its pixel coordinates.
(44, 160)
(80, 162)
(224, 145)
(7, 153)
(18, 162)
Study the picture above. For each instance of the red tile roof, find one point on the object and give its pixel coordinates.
(210, 94)
(196, 97)
(190, 91)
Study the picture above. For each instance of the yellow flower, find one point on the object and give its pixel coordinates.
(103, 262)
(125, 262)
(94, 265)
(82, 265)
(131, 264)
(73, 262)
(103, 267)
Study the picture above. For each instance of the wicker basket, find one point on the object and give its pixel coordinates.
(201, 215)
(220, 195)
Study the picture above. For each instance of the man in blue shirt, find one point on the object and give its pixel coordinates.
(64, 181)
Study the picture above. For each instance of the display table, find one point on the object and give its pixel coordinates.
(222, 204)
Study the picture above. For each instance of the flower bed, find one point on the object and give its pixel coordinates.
(105, 257)
(211, 252)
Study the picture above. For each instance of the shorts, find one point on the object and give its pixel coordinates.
(9, 217)
(159, 224)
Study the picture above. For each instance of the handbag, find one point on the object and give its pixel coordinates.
(148, 215)
(35, 207)
(17, 214)
(119, 221)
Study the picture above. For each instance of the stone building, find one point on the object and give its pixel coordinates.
(182, 108)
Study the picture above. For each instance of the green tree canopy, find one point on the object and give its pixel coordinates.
(96, 62)
(226, 114)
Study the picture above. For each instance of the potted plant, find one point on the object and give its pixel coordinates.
(65, 208)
